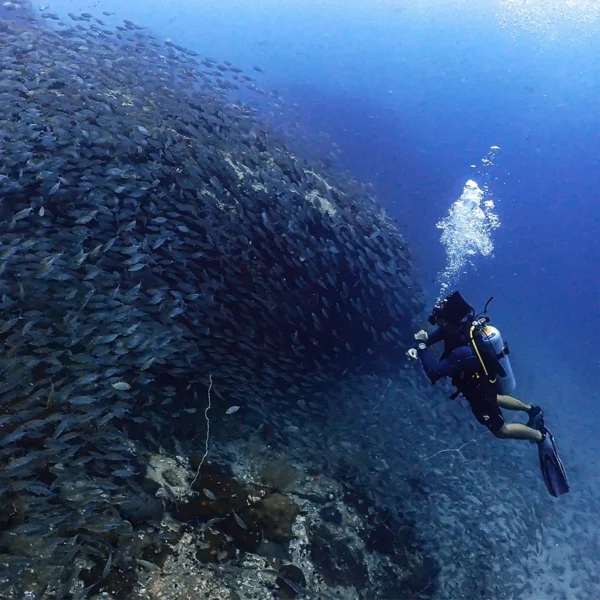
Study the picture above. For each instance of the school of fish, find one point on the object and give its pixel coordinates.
(152, 233)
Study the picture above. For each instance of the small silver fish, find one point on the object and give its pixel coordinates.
(121, 385)
(22, 213)
(83, 400)
(105, 339)
(61, 428)
(209, 494)
(136, 267)
(123, 473)
(42, 271)
(86, 218)
(298, 589)
(166, 492)
(9, 324)
(239, 521)
(107, 567)
(8, 253)
(232, 409)
(148, 363)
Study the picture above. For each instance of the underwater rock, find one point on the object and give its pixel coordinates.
(141, 508)
(336, 560)
(396, 539)
(150, 486)
(211, 468)
(217, 495)
(158, 550)
(172, 478)
(331, 514)
(272, 550)
(279, 475)
(244, 528)
(197, 506)
(221, 484)
(119, 583)
(362, 504)
(382, 539)
(166, 478)
(276, 514)
(315, 498)
(214, 547)
(423, 577)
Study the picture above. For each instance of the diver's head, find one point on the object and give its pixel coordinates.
(451, 313)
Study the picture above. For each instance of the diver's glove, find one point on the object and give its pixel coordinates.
(420, 336)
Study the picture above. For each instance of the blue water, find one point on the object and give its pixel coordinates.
(413, 97)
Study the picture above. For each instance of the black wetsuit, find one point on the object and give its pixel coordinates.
(460, 363)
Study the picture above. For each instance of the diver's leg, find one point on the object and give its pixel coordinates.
(517, 431)
(486, 408)
(536, 415)
(512, 403)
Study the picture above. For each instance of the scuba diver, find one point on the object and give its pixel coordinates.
(476, 359)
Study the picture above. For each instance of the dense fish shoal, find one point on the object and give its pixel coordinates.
(154, 233)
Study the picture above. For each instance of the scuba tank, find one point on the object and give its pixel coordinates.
(491, 343)
(492, 352)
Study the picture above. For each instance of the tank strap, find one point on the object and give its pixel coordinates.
(474, 344)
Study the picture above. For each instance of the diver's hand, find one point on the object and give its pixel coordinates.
(412, 354)
(421, 335)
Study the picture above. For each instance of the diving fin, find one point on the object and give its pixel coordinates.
(552, 468)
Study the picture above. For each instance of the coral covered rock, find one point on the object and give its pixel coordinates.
(141, 508)
(276, 514)
(217, 495)
(338, 561)
(279, 476)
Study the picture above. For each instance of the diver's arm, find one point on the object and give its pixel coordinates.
(434, 337)
(448, 367)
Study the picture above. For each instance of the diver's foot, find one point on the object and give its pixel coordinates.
(536, 418)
